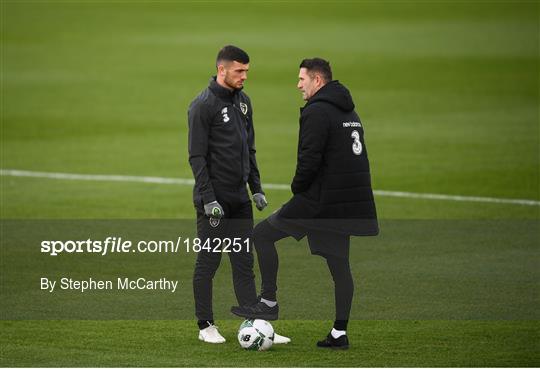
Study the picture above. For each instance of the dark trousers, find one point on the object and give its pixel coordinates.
(264, 237)
(237, 223)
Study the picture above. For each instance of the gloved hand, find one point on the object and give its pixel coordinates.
(260, 201)
(213, 210)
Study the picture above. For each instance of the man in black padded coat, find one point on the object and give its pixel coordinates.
(332, 200)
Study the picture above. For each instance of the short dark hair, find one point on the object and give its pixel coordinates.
(318, 65)
(232, 53)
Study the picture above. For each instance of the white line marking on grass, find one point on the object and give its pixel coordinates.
(271, 186)
(436, 196)
(95, 177)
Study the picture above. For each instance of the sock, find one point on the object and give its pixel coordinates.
(269, 303)
(336, 334)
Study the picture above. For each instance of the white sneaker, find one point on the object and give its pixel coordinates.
(281, 340)
(210, 334)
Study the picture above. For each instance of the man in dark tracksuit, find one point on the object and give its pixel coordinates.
(222, 157)
(333, 198)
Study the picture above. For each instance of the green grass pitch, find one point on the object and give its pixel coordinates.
(448, 94)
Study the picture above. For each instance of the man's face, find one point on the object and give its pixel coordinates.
(234, 74)
(308, 85)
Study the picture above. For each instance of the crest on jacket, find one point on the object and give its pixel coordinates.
(214, 222)
(244, 108)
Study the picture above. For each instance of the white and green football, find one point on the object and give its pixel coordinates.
(256, 334)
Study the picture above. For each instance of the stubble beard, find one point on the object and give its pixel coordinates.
(229, 82)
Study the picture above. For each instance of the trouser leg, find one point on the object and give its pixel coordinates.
(241, 229)
(206, 266)
(264, 238)
(344, 289)
(243, 277)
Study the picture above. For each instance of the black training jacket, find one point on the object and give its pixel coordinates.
(332, 179)
(221, 142)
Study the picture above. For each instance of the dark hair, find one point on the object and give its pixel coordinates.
(232, 53)
(318, 65)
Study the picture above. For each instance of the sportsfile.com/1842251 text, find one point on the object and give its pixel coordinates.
(114, 244)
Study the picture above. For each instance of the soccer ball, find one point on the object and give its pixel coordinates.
(256, 334)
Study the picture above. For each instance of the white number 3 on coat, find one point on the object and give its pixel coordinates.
(357, 145)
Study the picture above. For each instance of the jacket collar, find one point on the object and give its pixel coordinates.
(221, 91)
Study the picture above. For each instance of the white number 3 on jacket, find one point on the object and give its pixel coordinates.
(357, 145)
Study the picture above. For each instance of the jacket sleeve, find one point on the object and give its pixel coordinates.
(311, 145)
(254, 178)
(199, 124)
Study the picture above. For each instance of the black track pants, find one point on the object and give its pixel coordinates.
(264, 237)
(238, 223)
